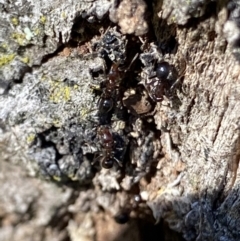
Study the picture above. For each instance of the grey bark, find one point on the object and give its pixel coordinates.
(45, 86)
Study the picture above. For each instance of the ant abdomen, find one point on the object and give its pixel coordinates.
(163, 70)
(105, 105)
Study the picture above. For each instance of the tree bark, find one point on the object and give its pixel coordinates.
(188, 179)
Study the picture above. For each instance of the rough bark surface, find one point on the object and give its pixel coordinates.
(182, 154)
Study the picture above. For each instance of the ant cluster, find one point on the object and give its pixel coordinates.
(112, 106)
(121, 130)
(69, 153)
(112, 143)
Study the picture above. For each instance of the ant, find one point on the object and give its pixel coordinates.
(106, 101)
(158, 84)
(109, 148)
(110, 94)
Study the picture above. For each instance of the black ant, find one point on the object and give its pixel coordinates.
(110, 94)
(106, 101)
(109, 148)
(158, 84)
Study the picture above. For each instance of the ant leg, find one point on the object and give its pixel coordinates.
(96, 158)
(181, 74)
(130, 65)
(152, 76)
(118, 161)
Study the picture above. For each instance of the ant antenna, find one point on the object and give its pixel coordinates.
(133, 60)
(118, 162)
(130, 65)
